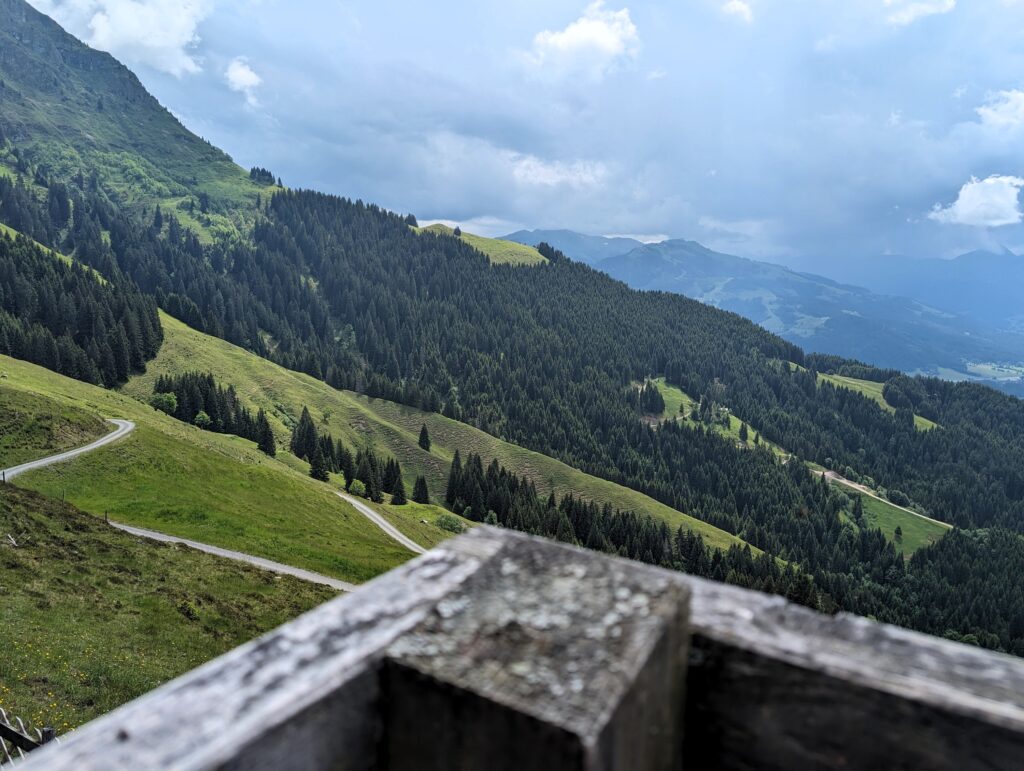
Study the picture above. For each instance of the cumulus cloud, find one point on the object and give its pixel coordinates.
(598, 41)
(534, 171)
(740, 9)
(161, 34)
(1003, 110)
(904, 12)
(990, 203)
(242, 78)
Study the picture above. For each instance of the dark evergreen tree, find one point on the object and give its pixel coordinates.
(304, 437)
(265, 435)
(398, 493)
(317, 465)
(424, 438)
(420, 493)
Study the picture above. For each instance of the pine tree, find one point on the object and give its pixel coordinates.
(744, 433)
(348, 465)
(318, 466)
(454, 481)
(392, 475)
(304, 437)
(398, 494)
(425, 438)
(264, 435)
(420, 493)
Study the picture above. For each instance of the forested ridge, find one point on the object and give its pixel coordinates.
(61, 317)
(547, 357)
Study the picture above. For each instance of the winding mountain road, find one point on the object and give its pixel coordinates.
(382, 523)
(124, 427)
(260, 562)
(832, 476)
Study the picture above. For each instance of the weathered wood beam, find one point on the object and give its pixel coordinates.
(497, 640)
(774, 685)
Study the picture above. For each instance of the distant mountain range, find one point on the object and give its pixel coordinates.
(985, 286)
(940, 331)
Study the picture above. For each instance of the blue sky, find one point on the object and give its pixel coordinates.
(805, 131)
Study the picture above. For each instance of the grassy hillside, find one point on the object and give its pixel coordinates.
(33, 427)
(74, 110)
(419, 522)
(218, 489)
(917, 531)
(499, 252)
(132, 614)
(389, 427)
(678, 405)
(873, 391)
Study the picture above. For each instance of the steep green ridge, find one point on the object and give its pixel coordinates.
(916, 532)
(678, 405)
(33, 426)
(873, 391)
(391, 428)
(92, 617)
(217, 489)
(545, 358)
(6, 230)
(498, 251)
(75, 111)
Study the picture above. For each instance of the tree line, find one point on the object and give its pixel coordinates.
(63, 318)
(196, 398)
(365, 473)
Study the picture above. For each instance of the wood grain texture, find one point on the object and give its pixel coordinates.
(768, 684)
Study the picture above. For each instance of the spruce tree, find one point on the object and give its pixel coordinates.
(318, 466)
(392, 474)
(304, 437)
(454, 481)
(398, 494)
(348, 465)
(420, 493)
(264, 435)
(425, 438)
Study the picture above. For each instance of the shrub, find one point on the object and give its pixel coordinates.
(167, 403)
(449, 522)
(899, 498)
(357, 488)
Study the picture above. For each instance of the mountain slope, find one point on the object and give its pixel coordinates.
(213, 488)
(588, 249)
(132, 614)
(388, 428)
(547, 358)
(818, 313)
(74, 110)
(499, 251)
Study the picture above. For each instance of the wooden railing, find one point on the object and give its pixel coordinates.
(499, 651)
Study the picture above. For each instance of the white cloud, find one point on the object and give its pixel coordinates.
(904, 12)
(534, 171)
(161, 34)
(740, 9)
(595, 43)
(242, 78)
(988, 203)
(1003, 110)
